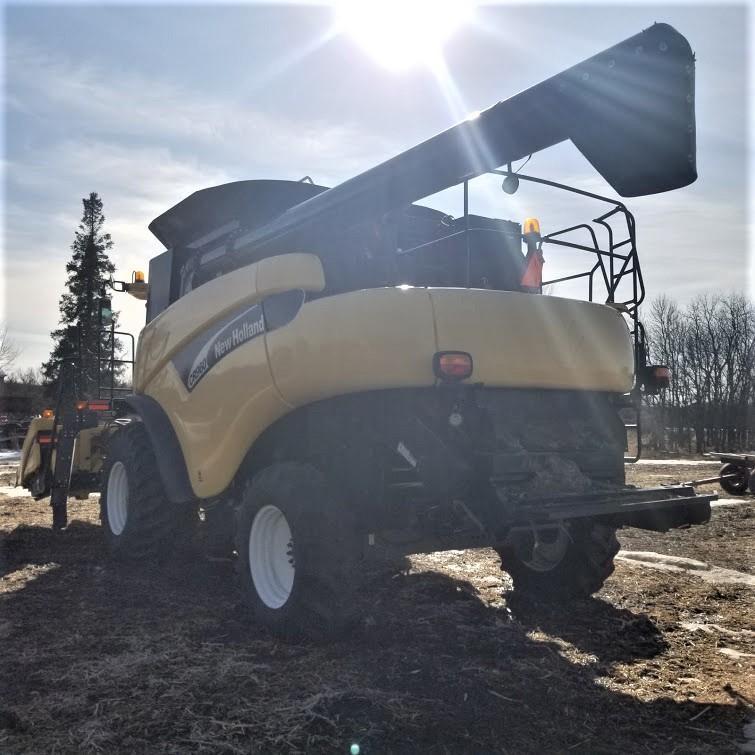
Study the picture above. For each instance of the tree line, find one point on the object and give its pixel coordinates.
(709, 344)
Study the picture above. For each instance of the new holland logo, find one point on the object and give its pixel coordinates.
(200, 357)
(239, 335)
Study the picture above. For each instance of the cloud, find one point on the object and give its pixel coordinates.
(129, 105)
(136, 184)
(143, 144)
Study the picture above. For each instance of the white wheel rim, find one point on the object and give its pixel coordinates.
(117, 498)
(545, 556)
(271, 560)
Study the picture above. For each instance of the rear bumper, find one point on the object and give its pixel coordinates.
(657, 509)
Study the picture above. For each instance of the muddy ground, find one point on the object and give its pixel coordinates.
(100, 658)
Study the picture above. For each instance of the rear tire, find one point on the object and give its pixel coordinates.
(576, 569)
(734, 485)
(137, 519)
(298, 553)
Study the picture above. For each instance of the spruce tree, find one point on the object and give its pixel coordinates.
(88, 270)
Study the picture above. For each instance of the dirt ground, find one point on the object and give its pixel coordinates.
(101, 658)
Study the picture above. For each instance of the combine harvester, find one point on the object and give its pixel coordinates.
(328, 376)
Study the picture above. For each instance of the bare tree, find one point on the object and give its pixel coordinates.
(29, 376)
(710, 347)
(9, 351)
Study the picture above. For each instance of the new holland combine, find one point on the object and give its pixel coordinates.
(332, 375)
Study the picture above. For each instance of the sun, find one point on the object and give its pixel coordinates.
(402, 34)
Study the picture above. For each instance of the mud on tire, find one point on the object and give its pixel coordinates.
(585, 566)
(313, 598)
(137, 519)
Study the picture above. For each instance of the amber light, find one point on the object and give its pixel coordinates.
(452, 365)
(47, 413)
(138, 276)
(81, 405)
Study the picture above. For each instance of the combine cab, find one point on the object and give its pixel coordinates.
(329, 376)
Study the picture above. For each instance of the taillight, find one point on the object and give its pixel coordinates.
(44, 438)
(452, 365)
(662, 376)
(99, 405)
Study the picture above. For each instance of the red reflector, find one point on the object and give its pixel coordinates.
(452, 365)
(44, 439)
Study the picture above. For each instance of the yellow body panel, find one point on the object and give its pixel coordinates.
(30, 454)
(527, 341)
(211, 301)
(189, 315)
(359, 341)
(87, 455)
(218, 421)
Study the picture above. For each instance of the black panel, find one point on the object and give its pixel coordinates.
(195, 220)
(159, 279)
(280, 309)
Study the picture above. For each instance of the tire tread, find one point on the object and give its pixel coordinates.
(153, 523)
(588, 563)
(325, 543)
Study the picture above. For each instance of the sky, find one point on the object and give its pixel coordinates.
(145, 104)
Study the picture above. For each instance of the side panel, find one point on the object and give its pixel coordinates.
(204, 360)
(192, 315)
(178, 324)
(221, 417)
(358, 341)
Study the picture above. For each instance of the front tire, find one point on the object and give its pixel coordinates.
(297, 553)
(573, 562)
(137, 519)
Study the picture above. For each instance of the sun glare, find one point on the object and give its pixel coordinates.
(401, 34)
